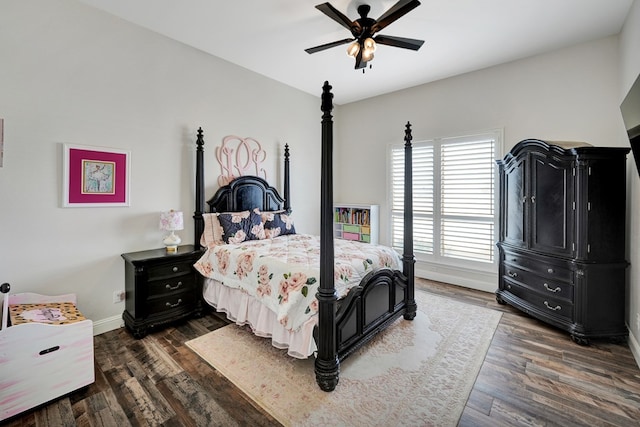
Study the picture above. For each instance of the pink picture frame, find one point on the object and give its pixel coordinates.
(95, 176)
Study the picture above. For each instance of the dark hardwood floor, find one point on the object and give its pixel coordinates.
(533, 375)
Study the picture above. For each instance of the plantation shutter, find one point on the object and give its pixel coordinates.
(423, 197)
(467, 187)
(453, 197)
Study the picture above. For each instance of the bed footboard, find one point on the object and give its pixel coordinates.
(380, 299)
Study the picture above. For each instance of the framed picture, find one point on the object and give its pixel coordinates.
(95, 176)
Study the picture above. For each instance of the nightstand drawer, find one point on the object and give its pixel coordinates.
(177, 302)
(160, 288)
(169, 270)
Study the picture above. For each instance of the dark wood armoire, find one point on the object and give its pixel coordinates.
(562, 236)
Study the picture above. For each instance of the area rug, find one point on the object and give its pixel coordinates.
(415, 373)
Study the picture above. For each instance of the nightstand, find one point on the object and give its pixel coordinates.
(161, 287)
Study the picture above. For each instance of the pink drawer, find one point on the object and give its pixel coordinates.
(350, 236)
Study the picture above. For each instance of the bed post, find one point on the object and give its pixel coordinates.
(198, 225)
(408, 258)
(287, 201)
(327, 365)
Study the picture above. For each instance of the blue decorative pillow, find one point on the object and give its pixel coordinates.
(238, 227)
(277, 223)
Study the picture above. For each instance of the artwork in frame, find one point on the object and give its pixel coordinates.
(95, 176)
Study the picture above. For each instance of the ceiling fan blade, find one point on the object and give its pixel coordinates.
(336, 15)
(401, 8)
(327, 46)
(402, 42)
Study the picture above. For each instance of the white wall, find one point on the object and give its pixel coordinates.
(629, 70)
(72, 74)
(567, 95)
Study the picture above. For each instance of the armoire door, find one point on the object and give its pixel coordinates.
(602, 210)
(551, 206)
(513, 203)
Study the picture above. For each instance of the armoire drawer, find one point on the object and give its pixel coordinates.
(548, 305)
(553, 288)
(538, 265)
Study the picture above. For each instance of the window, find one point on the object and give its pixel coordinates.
(453, 198)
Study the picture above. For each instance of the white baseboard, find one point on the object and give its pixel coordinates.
(473, 279)
(108, 324)
(634, 346)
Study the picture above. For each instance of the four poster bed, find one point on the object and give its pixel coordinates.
(309, 294)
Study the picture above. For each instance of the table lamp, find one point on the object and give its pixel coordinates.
(171, 221)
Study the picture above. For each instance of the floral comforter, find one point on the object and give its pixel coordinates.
(284, 272)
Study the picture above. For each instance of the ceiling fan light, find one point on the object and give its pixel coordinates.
(370, 44)
(367, 55)
(353, 49)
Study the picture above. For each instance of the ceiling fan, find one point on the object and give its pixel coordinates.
(364, 29)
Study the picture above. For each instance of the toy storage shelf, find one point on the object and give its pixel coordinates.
(356, 222)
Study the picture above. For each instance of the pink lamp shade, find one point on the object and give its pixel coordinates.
(171, 221)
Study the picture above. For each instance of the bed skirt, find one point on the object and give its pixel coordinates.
(243, 309)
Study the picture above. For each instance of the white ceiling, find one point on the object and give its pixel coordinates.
(269, 36)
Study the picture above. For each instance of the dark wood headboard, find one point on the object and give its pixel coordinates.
(243, 193)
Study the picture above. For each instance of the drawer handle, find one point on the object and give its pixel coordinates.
(171, 288)
(557, 307)
(175, 269)
(557, 289)
(512, 274)
(550, 270)
(180, 301)
(49, 350)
